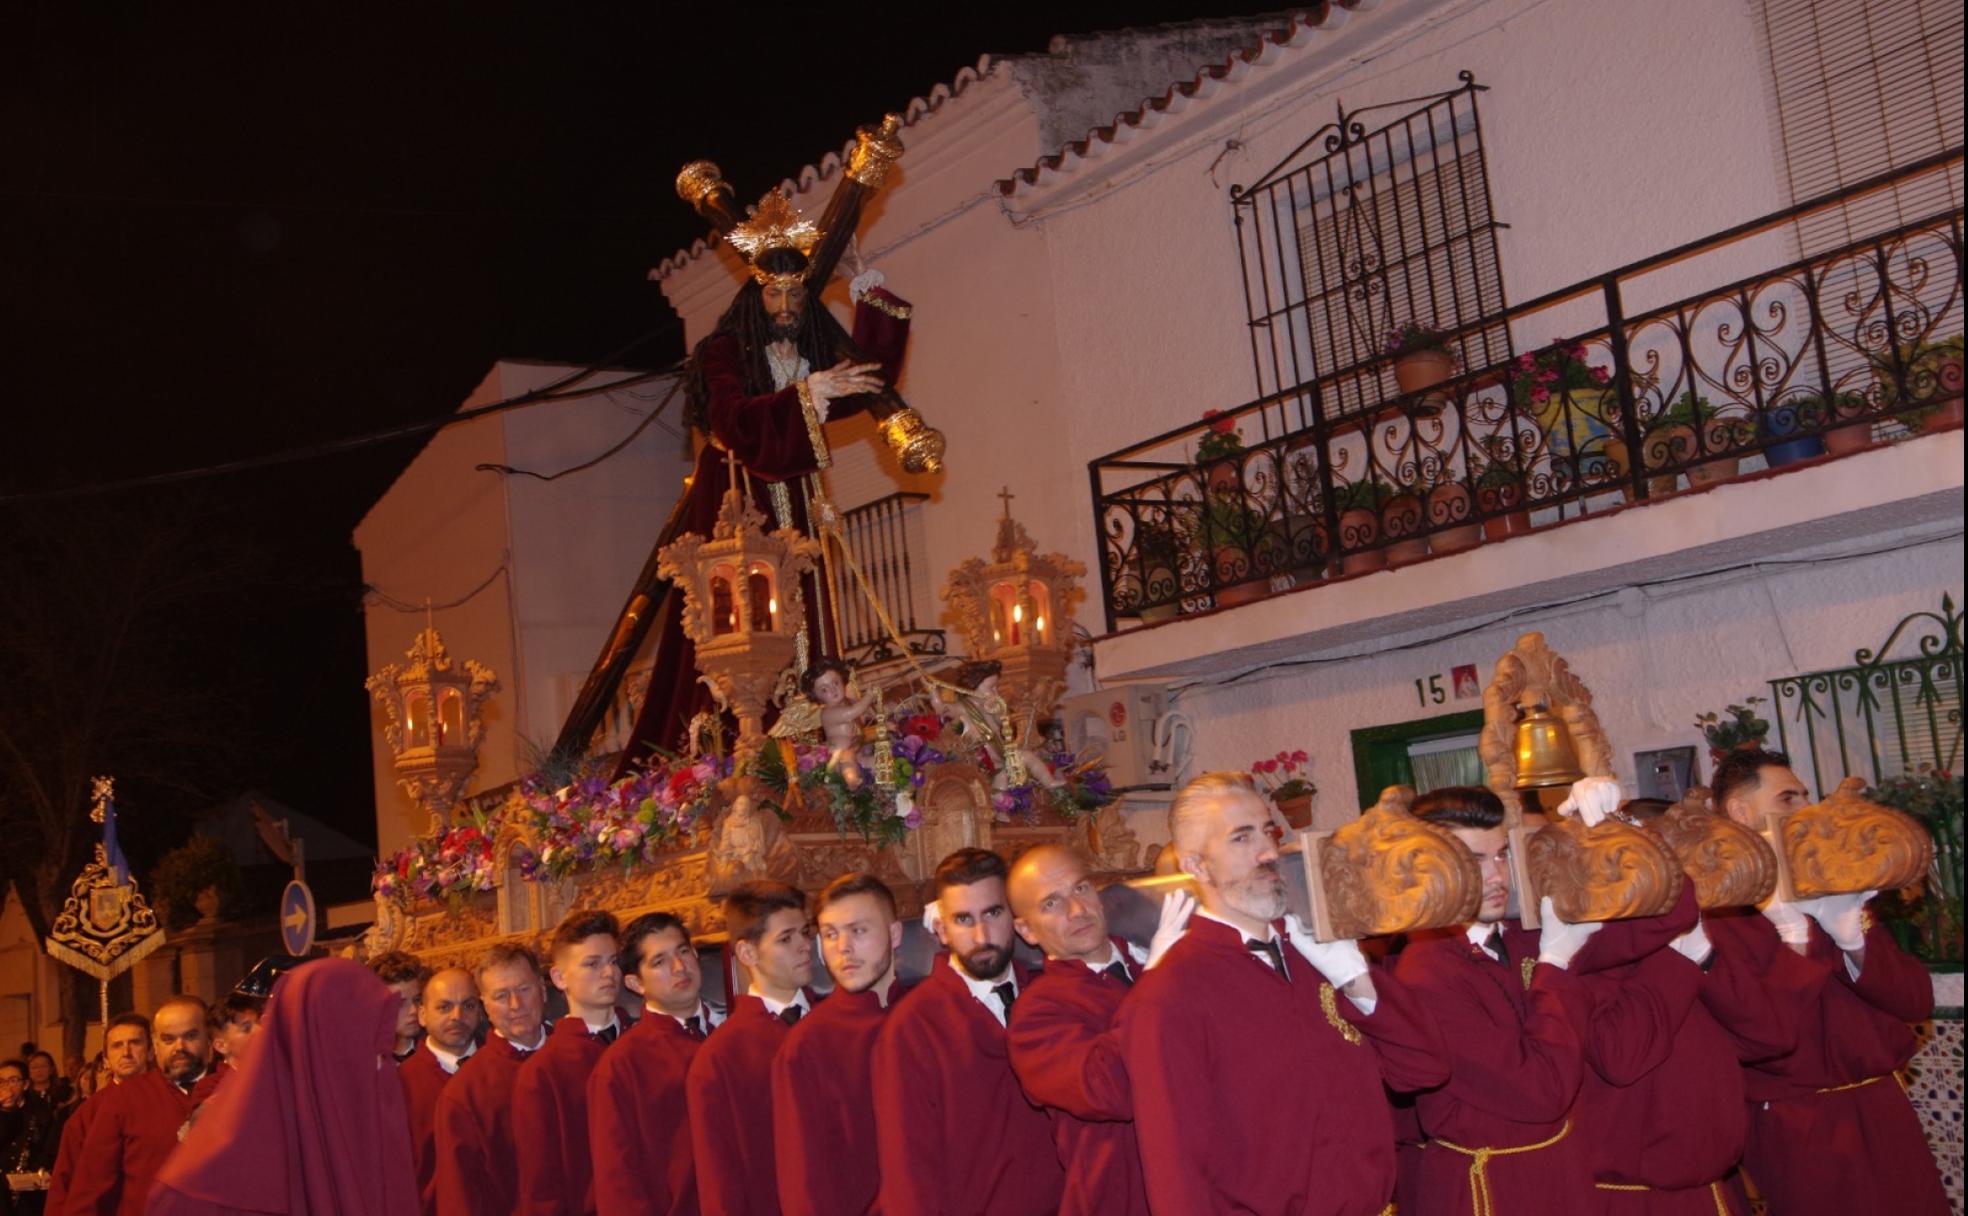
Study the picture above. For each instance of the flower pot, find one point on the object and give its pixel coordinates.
(1947, 415)
(207, 901)
(1221, 475)
(1400, 522)
(1297, 811)
(1713, 472)
(1422, 369)
(1160, 612)
(1666, 446)
(1359, 529)
(1232, 562)
(1794, 451)
(1503, 527)
(1450, 503)
(1845, 440)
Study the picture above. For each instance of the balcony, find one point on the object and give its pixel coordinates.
(1766, 374)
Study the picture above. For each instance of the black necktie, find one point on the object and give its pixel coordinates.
(1006, 993)
(1271, 949)
(1118, 970)
(790, 1015)
(1493, 946)
(694, 1026)
(607, 1034)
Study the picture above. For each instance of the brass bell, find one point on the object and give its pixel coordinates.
(1545, 755)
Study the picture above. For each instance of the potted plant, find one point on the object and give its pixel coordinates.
(1500, 492)
(1284, 777)
(1359, 506)
(1788, 425)
(1707, 429)
(1159, 549)
(1452, 512)
(1544, 381)
(1401, 524)
(1927, 918)
(1735, 729)
(1422, 356)
(1233, 535)
(1933, 381)
(1218, 451)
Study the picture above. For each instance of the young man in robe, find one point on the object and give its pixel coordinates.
(126, 1054)
(477, 1169)
(1061, 1049)
(955, 1132)
(232, 1024)
(729, 1088)
(1256, 1056)
(550, 1098)
(1830, 1129)
(404, 974)
(1513, 1020)
(448, 1010)
(638, 1118)
(138, 1126)
(823, 1103)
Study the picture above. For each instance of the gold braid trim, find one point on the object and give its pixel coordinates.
(1479, 1167)
(1527, 966)
(1714, 1192)
(813, 432)
(1329, 1005)
(1839, 1089)
(899, 311)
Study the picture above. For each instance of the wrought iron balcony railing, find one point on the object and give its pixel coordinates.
(1811, 360)
(884, 536)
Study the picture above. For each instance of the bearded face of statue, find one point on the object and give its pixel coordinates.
(785, 306)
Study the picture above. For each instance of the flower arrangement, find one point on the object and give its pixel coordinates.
(1222, 440)
(1082, 790)
(1741, 730)
(1412, 337)
(1558, 368)
(882, 815)
(593, 822)
(450, 865)
(1284, 776)
(1927, 918)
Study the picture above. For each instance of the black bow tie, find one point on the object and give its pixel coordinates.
(791, 1015)
(1493, 946)
(1118, 970)
(694, 1026)
(609, 1033)
(1270, 948)
(1006, 993)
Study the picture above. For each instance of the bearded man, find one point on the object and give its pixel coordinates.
(1257, 1056)
(140, 1120)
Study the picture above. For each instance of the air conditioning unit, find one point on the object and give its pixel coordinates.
(1131, 725)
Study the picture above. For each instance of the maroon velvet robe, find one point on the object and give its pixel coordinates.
(550, 1124)
(209, 1083)
(423, 1079)
(1661, 1108)
(1830, 1129)
(68, 1154)
(767, 432)
(823, 1108)
(1068, 1061)
(956, 1136)
(477, 1174)
(1515, 1061)
(129, 1138)
(639, 1122)
(729, 1094)
(1247, 1098)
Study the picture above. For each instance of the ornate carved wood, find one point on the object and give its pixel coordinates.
(1388, 872)
(1532, 674)
(1846, 844)
(1732, 867)
(1614, 871)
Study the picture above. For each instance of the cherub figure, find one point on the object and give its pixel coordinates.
(983, 712)
(825, 685)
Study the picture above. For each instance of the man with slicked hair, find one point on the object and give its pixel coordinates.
(550, 1098)
(823, 1102)
(1258, 1058)
(954, 1130)
(138, 1126)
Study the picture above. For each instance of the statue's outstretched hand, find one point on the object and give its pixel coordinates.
(843, 379)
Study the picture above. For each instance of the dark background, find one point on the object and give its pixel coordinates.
(227, 231)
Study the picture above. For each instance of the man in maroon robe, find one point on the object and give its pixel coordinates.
(729, 1087)
(1830, 1129)
(126, 1054)
(638, 1118)
(955, 1132)
(1060, 1046)
(1257, 1057)
(448, 1010)
(138, 1125)
(404, 974)
(550, 1098)
(477, 1170)
(1513, 1019)
(823, 1102)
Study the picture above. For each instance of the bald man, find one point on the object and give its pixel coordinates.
(138, 1126)
(1061, 1049)
(1257, 1058)
(449, 1012)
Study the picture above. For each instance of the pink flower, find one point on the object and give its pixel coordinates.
(1300, 757)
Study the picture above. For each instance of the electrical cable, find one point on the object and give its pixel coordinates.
(559, 390)
(509, 471)
(376, 595)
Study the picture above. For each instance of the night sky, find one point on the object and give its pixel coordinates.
(227, 231)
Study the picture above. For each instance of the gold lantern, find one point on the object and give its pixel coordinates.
(742, 607)
(1017, 609)
(434, 705)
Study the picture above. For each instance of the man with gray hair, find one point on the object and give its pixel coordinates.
(1257, 1056)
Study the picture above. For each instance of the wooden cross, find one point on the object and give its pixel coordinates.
(1006, 494)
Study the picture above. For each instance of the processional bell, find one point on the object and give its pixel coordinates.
(1545, 754)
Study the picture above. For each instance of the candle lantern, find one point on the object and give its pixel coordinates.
(434, 705)
(1017, 609)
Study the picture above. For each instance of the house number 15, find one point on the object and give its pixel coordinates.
(1429, 691)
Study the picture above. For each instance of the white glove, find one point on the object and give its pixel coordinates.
(1842, 917)
(932, 917)
(1558, 941)
(1789, 920)
(1176, 907)
(1340, 962)
(1694, 944)
(1592, 799)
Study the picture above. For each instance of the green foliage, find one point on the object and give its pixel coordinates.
(1927, 920)
(189, 869)
(1740, 729)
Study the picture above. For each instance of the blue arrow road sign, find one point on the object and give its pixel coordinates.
(297, 918)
